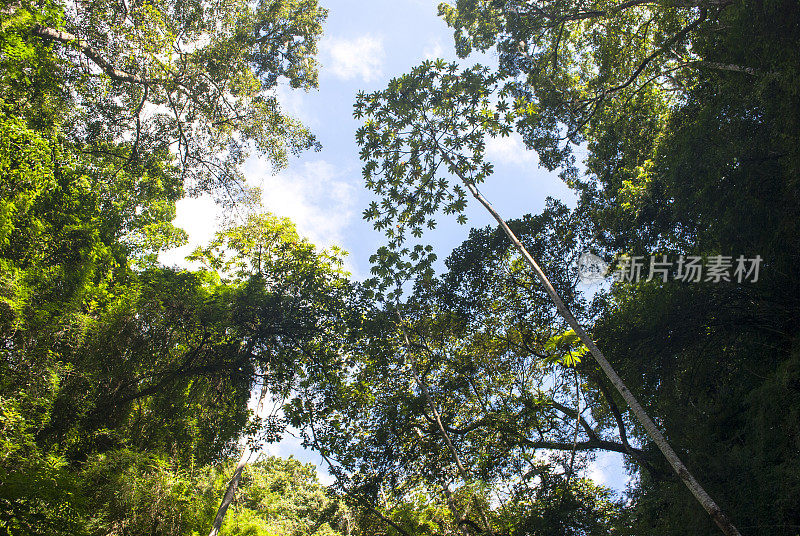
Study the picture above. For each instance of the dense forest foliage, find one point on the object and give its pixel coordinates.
(459, 402)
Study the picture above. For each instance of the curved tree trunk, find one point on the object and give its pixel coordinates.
(641, 415)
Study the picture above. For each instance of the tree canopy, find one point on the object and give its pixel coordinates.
(452, 398)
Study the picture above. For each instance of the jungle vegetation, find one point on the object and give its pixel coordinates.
(468, 400)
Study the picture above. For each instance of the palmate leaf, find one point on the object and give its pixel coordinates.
(565, 348)
(422, 128)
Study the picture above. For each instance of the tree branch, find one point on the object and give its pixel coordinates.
(67, 38)
(655, 434)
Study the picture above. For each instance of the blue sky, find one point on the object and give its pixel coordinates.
(364, 46)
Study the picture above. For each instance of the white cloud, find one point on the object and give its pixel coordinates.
(433, 50)
(608, 469)
(509, 150)
(199, 217)
(360, 57)
(315, 198)
(598, 473)
(294, 103)
(324, 477)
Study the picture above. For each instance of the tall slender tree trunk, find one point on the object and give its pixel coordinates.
(233, 484)
(641, 415)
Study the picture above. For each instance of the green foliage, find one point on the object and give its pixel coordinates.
(491, 350)
(124, 385)
(130, 492)
(579, 507)
(118, 377)
(266, 246)
(423, 125)
(208, 102)
(568, 345)
(137, 494)
(284, 497)
(420, 514)
(689, 117)
(572, 64)
(27, 170)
